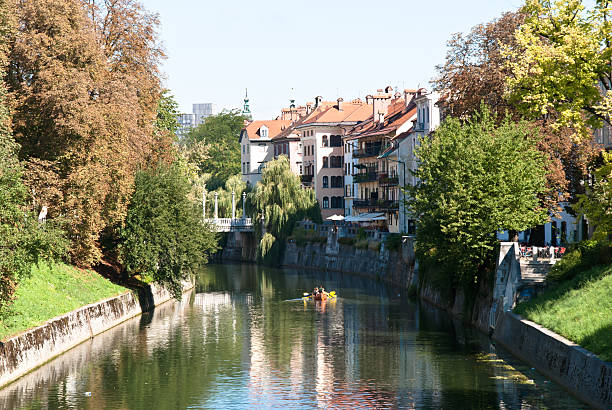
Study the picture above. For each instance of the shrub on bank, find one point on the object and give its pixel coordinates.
(393, 241)
(361, 244)
(581, 258)
(374, 246)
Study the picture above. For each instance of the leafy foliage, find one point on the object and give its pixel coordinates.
(280, 199)
(84, 79)
(596, 203)
(584, 256)
(474, 179)
(164, 238)
(562, 64)
(214, 147)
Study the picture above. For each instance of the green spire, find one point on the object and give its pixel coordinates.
(246, 111)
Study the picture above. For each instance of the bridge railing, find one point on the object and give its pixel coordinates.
(229, 224)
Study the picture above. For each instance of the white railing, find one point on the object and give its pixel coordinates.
(230, 225)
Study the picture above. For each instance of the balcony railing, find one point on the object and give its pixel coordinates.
(388, 204)
(367, 152)
(385, 180)
(306, 178)
(364, 177)
(364, 203)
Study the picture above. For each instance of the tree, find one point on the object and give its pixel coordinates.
(163, 237)
(215, 148)
(281, 200)
(474, 179)
(86, 94)
(475, 69)
(24, 242)
(561, 68)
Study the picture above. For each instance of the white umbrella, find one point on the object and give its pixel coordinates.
(335, 218)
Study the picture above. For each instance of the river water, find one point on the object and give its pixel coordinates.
(242, 340)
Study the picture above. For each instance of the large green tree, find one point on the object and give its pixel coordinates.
(561, 68)
(214, 147)
(163, 237)
(280, 199)
(474, 179)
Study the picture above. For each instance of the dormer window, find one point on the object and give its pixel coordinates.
(263, 131)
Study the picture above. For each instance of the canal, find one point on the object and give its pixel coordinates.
(242, 340)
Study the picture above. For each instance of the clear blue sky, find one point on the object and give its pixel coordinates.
(333, 48)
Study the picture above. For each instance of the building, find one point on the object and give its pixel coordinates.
(323, 158)
(373, 148)
(199, 113)
(256, 147)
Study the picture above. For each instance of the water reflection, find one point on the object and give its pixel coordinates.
(241, 340)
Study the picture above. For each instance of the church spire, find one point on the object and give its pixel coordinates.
(246, 111)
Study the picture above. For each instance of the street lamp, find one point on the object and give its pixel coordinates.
(404, 185)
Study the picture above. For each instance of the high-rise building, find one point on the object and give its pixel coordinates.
(199, 113)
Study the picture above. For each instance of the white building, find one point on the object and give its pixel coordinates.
(256, 147)
(199, 113)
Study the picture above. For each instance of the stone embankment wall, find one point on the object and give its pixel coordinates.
(239, 247)
(26, 351)
(396, 268)
(568, 364)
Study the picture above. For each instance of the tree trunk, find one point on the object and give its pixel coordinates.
(512, 236)
(538, 236)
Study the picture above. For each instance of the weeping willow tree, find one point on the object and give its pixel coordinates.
(280, 201)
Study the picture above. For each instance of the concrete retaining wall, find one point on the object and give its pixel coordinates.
(568, 364)
(26, 351)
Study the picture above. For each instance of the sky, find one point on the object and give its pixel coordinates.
(333, 48)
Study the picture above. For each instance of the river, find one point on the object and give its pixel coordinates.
(242, 340)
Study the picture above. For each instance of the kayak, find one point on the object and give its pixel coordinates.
(321, 296)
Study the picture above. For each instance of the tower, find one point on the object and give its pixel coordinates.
(246, 111)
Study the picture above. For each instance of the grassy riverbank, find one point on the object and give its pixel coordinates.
(50, 291)
(579, 309)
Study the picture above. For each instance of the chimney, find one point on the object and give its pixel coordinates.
(318, 100)
(340, 100)
(380, 104)
(308, 108)
(369, 99)
(409, 95)
(388, 89)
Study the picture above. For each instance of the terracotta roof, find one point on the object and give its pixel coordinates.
(398, 115)
(275, 127)
(350, 112)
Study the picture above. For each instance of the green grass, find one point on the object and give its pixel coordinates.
(579, 309)
(50, 291)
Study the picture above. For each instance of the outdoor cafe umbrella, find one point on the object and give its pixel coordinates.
(335, 218)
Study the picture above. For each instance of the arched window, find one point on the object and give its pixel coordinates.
(325, 162)
(325, 143)
(325, 182)
(325, 202)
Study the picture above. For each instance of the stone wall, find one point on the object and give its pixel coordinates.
(26, 351)
(389, 266)
(568, 364)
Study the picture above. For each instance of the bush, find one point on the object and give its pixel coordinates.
(163, 237)
(393, 241)
(582, 257)
(374, 246)
(345, 240)
(361, 234)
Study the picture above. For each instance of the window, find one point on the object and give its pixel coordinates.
(301, 173)
(325, 182)
(263, 131)
(325, 162)
(337, 202)
(336, 182)
(325, 143)
(335, 141)
(325, 202)
(335, 161)
(347, 191)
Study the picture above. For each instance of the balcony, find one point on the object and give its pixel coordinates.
(364, 203)
(388, 205)
(365, 177)
(306, 179)
(367, 152)
(386, 180)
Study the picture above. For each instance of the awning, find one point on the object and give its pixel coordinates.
(366, 217)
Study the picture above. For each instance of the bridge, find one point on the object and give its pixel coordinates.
(232, 224)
